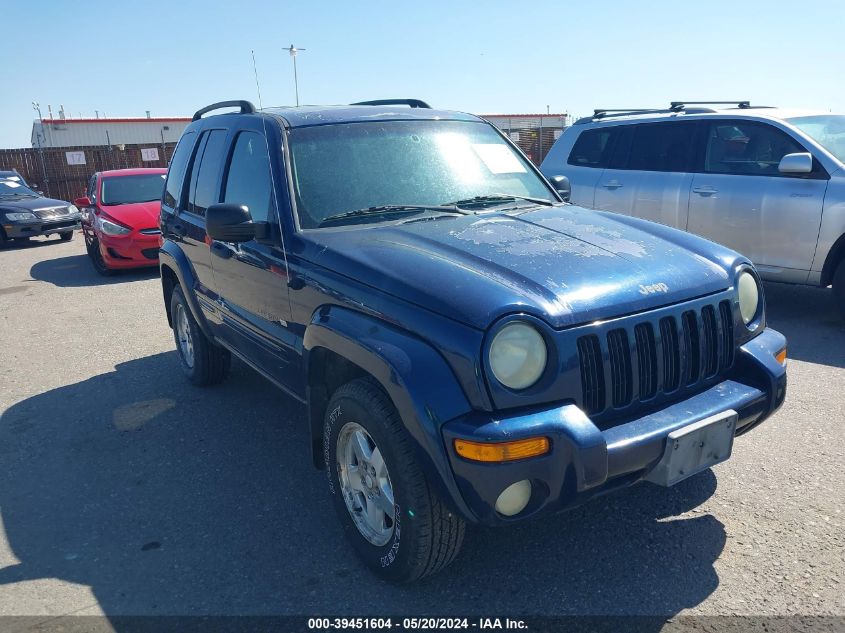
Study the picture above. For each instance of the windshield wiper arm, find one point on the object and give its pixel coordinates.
(390, 209)
(501, 197)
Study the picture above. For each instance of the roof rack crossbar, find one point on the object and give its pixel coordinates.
(413, 103)
(744, 105)
(245, 106)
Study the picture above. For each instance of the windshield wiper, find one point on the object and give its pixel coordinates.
(391, 209)
(496, 198)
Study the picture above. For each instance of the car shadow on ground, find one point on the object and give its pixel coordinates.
(74, 271)
(807, 316)
(169, 499)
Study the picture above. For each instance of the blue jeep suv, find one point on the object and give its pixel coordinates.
(467, 346)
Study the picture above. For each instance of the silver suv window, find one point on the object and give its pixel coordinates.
(746, 148)
(827, 130)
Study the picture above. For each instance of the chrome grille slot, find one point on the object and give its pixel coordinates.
(592, 374)
(619, 353)
(646, 360)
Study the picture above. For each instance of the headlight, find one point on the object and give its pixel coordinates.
(73, 209)
(26, 215)
(749, 296)
(518, 355)
(110, 228)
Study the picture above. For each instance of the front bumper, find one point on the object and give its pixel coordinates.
(33, 228)
(133, 250)
(586, 461)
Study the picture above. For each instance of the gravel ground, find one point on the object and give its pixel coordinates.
(124, 490)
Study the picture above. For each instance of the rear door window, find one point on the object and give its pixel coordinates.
(592, 148)
(746, 148)
(176, 172)
(205, 185)
(662, 147)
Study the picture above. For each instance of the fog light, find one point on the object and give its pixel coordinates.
(514, 498)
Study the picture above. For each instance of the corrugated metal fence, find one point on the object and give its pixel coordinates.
(64, 172)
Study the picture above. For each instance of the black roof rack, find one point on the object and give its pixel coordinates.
(742, 105)
(245, 106)
(414, 103)
(675, 107)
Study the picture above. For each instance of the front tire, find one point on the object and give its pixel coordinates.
(97, 260)
(389, 512)
(839, 288)
(66, 236)
(202, 362)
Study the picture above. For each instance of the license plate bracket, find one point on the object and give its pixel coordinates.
(694, 448)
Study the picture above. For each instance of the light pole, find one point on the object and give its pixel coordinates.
(38, 136)
(293, 51)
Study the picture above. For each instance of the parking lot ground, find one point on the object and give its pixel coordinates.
(126, 491)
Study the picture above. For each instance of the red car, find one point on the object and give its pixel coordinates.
(120, 218)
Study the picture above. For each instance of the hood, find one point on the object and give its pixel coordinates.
(565, 265)
(138, 215)
(31, 204)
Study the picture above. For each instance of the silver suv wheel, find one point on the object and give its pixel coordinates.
(365, 484)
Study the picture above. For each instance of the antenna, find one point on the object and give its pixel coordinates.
(270, 165)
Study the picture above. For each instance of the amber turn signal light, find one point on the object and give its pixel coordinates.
(781, 356)
(502, 451)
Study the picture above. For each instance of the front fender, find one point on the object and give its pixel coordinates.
(414, 375)
(171, 257)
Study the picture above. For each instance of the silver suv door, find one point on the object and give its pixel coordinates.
(741, 200)
(648, 174)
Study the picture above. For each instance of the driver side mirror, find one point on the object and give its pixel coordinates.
(797, 163)
(84, 201)
(228, 222)
(563, 187)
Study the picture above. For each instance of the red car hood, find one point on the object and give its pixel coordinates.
(139, 215)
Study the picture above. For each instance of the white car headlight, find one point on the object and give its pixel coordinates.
(15, 217)
(110, 228)
(518, 355)
(749, 296)
(72, 209)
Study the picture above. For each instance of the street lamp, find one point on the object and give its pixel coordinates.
(293, 51)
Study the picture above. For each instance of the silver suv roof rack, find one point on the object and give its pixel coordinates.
(413, 103)
(675, 107)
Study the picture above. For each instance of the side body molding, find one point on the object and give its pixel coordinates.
(417, 379)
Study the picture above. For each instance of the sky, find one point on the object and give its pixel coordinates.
(173, 57)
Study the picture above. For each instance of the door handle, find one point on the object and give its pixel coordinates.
(221, 250)
(612, 184)
(178, 229)
(705, 191)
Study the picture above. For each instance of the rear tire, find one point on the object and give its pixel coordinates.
(839, 288)
(66, 236)
(202, 362)
(3, 240)
(361, 420)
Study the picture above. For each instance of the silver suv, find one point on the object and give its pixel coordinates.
(767, 182)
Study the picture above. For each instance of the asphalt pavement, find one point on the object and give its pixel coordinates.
(126, 491)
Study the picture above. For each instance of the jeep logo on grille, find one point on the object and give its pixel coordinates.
(653, 289)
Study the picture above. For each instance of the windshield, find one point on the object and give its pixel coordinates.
(828, 130)
(346, 167)
(12, 187)
(130, 189)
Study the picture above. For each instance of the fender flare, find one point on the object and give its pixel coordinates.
(404, 366)
(171, 256)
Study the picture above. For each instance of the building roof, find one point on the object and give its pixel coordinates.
(166, 119)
